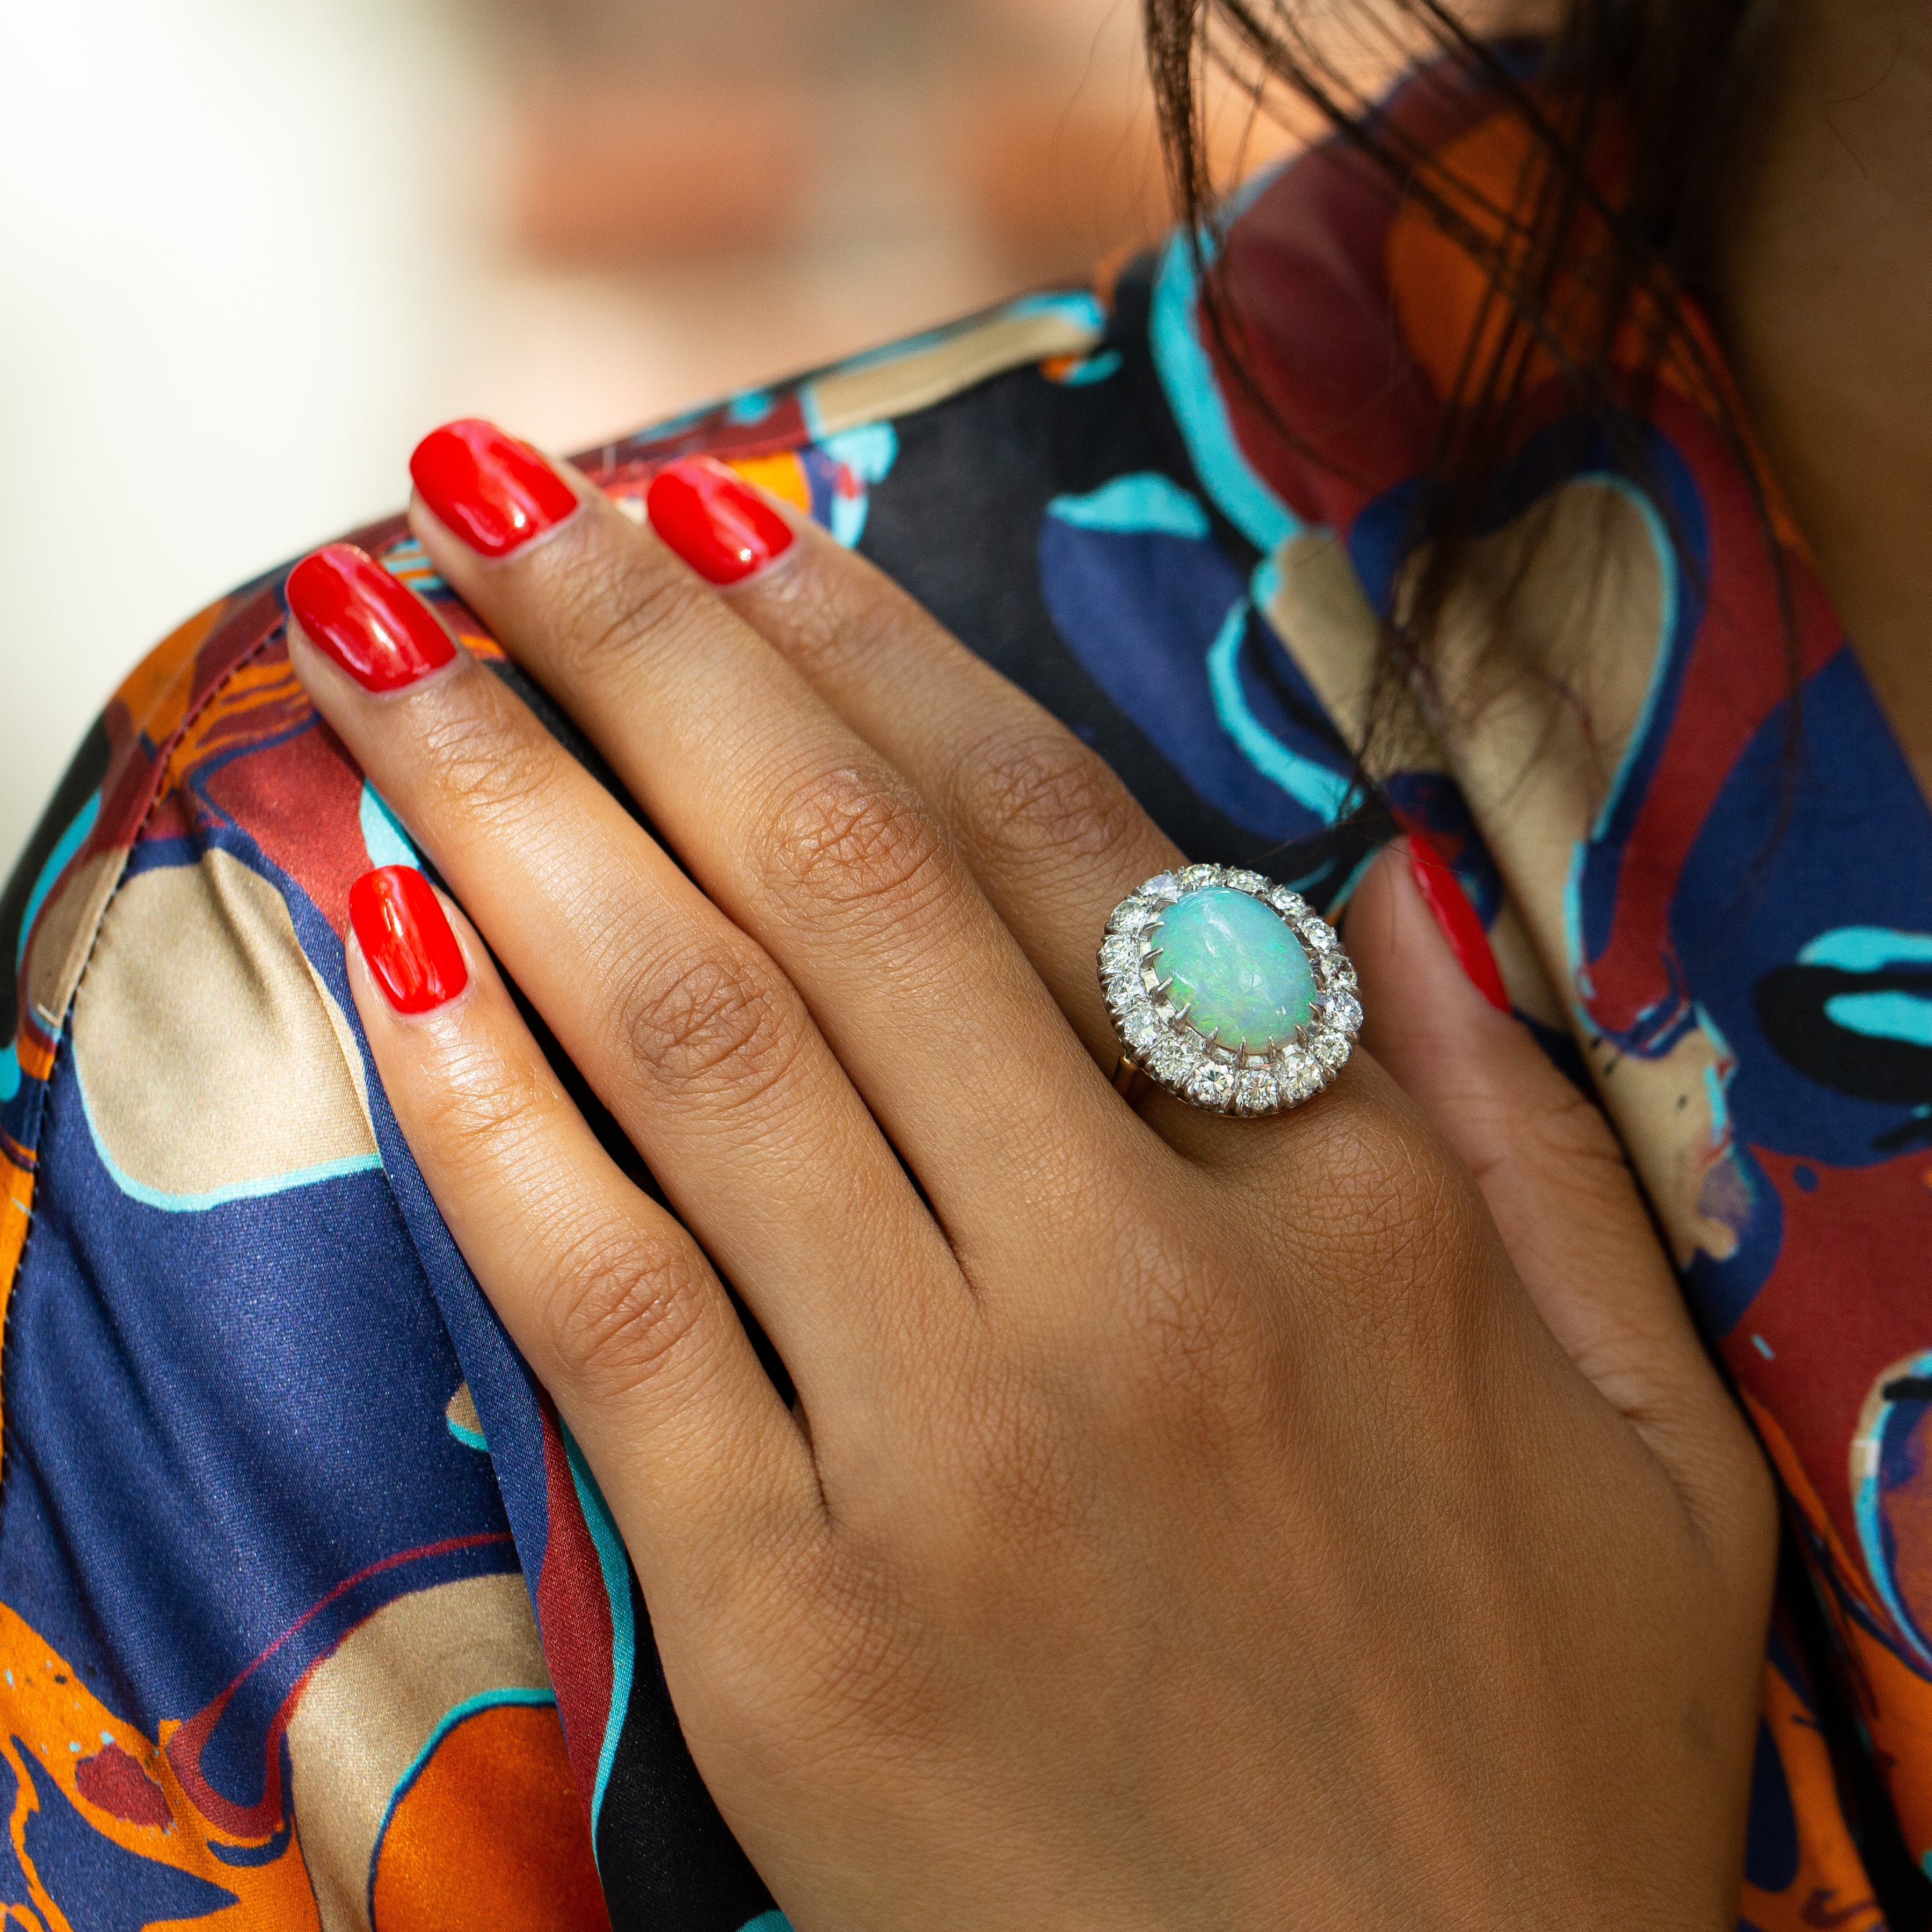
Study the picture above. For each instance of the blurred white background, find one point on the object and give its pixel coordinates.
(250, 252)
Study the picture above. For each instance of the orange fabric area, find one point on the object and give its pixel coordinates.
(1453, 320)
(492, 1822)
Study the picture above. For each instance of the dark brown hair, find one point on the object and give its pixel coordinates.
(1625, 250)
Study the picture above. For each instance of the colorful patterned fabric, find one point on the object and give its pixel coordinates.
(310, 1615)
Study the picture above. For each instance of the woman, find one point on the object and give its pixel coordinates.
(1274, 1494)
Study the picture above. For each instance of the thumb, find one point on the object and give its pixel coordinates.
(1550, 1168)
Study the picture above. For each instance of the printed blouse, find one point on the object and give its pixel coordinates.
(310, 1613)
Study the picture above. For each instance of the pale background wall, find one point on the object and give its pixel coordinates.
(250, 252)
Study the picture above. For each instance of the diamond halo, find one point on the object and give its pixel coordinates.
(1157, 1039)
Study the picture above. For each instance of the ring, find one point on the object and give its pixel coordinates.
(1230, 992)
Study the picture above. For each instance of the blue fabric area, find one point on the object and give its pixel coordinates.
(1753, 897)
(1143, 609)
(220, 1421)
(225, 1447)
(500, 1385)
(1770, 1848)
(214, 1421)
(13, 1877)
(99, 1887)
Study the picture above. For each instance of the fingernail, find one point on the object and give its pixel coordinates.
(715, 521)
(383, 636)
(494, 492)
(406, 938)
(1442, 892)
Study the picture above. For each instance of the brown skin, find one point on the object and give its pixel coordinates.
(1328, 1521)
(1825, 281)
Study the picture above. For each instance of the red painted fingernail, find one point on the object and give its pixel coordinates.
(1442, 892)
(494, 492)
(406, 938)
(715, 521)
(382, 635)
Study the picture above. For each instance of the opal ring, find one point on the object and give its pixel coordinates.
(1230, 992)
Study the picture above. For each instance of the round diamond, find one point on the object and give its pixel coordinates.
(1121, 957)
(1211, 1084)
(1345, 1013)
(1139, 1029)
(1292, 906)
(1319, 933)
(1132, 915)
(1298, 1076)
(1331, 1049)
(1198, 878)
(1172, 1056)
(1336, 972)
(1246, 882)
(1162, 890)
(1256, 1091)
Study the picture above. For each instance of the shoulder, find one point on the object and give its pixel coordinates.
(934, 453)
(209, 820)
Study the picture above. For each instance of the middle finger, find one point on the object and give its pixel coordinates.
(815, 845)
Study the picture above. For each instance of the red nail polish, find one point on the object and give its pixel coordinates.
(406, 938)
(382, 635)
(716, 522)
(1442, 892)
(494, 492)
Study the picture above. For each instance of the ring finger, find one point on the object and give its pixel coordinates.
(1053, 838)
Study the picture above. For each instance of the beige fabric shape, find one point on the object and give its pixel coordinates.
(63, 933)
(1535, 722)
(896, 385)
(370, 1709)
(199, 1005)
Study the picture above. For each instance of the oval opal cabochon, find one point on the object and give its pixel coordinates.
(1236, 968)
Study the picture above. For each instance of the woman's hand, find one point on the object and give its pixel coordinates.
(1184, 1521)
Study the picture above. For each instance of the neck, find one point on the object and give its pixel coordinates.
(1825, 282)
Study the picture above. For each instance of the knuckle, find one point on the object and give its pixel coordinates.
(1568, 1134)
(1035, 793)
(611, 613)
(479, 1107)
(853, 840)
(723, 1024)
(1402, 1220)
(621, 1302)
(484, 767)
